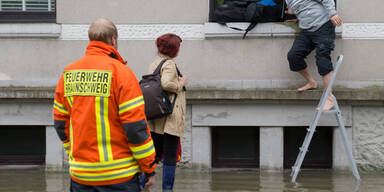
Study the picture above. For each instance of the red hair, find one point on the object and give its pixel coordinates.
(168, 44)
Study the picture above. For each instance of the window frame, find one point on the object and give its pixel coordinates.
(28, 16)
(212, 8)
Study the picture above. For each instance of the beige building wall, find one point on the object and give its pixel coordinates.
(258, 59)
(133, 11)
(362, 11)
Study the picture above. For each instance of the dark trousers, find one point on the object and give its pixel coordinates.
(323, 40)
(128, 186)
(166, 144)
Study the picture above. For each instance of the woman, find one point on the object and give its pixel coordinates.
(167, 131)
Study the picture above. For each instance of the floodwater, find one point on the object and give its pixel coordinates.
(37, 180)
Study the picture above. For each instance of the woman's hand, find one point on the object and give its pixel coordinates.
(150, 182)
(183, 81)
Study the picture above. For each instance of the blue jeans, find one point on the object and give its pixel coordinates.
(323, 40)
(128, 186)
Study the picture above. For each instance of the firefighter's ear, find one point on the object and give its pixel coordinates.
(114, 42)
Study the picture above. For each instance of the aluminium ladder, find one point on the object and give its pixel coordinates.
(311, 130)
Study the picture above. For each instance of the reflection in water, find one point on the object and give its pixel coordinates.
(22, 180)
(37, 180)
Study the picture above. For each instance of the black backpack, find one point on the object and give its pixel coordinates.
(157, 103)
(247, 11)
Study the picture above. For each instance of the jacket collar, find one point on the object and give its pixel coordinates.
(164, 56)
(101, 48)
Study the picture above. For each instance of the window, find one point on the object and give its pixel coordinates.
(319, 153)
(215, 3)
(22, 145)
(27, 11)
(235, 147)
(214, 29)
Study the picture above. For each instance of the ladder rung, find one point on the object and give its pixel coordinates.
(302, 149)
(330, 111)
(309, 130)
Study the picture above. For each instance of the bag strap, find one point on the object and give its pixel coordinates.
(178, 72)
(174, 100)
(234, 28)
(157, 70)
(173, 105)
(249, 28)
(180, 75)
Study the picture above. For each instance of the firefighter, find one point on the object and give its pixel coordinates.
(99, 116)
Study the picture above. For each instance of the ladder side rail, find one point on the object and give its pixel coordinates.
(305, 146)
(299, 160)
(347, 145)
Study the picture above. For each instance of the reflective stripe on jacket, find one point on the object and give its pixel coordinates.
(99, 116)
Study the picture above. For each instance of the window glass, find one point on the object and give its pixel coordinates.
(235, 147)
(319, 153)
(24, 145)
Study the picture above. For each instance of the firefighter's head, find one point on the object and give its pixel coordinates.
(103, 30)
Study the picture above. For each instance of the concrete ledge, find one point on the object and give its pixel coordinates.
(27, 93)
(137, 32)
(366, 96)
(359, 96)
(276, 29)
(30, 30)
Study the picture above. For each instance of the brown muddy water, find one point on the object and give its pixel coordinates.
(37, 180)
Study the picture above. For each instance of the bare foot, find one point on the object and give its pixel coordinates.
(308, 86)
(329, 104)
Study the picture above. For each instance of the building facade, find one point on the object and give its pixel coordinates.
(242, 106)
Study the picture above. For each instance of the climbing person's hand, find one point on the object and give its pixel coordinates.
(336, 20)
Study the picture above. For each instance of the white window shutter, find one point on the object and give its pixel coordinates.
(11, 5)
(27, 5)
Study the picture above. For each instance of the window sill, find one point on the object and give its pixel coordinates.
(30, 30)
(278, 29)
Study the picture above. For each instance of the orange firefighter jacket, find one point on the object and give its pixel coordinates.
(99, 116)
